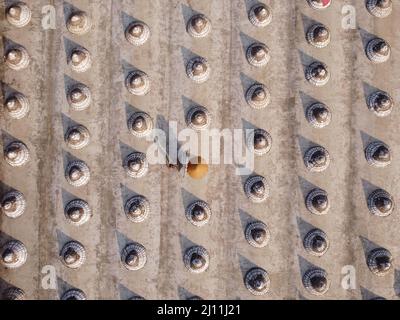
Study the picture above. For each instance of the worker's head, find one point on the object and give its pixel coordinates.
(197, 168)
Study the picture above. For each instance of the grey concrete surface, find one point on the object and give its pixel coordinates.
(166, 234)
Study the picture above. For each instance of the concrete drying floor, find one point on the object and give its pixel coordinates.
(352, 230)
